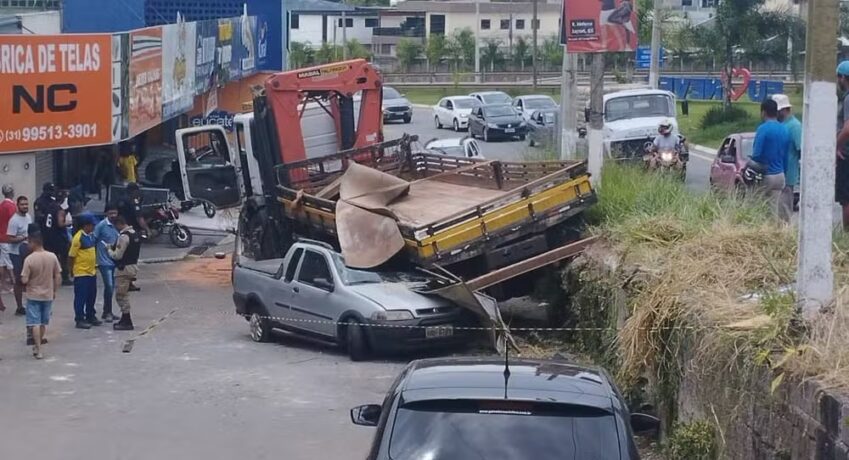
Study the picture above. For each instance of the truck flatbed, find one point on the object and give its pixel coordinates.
(456, 208)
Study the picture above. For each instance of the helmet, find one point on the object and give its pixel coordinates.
(665, 127)
(843, 68)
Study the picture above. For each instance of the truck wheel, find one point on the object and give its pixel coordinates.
(260, 328)
(437, 123)
(355, 338)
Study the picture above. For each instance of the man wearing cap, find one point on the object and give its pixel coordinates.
(841, 184)
(83, 262)
(7, 210)
(768, 154)
(50, 217)
(794, 153)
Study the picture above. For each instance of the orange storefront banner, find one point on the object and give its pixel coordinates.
(145, 79)
(55, 91)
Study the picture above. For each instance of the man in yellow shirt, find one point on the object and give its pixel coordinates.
(82, 259)
(128, 165)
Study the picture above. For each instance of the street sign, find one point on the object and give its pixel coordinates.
(643, 57)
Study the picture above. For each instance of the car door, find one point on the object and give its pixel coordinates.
(313, 302)
(475, 121)
(208, 168)
(449, 112)
(437, 109)
(281, 293)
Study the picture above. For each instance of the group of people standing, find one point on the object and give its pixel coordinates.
(39, 255)
(777, 153)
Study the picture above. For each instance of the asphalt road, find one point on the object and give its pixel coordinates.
(423, 125)
(196, 386)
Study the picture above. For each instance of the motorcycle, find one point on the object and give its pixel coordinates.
(164, 218)
(667, 160)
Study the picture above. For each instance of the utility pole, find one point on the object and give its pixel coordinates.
(568, 106)
(534, 27)
(596, 141)
(477, 41)
(344, 36)
(815, 279)
(654, 69)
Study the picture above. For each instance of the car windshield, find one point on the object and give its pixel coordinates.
(539, 103)
(500, 111)
(496, 98)
(502, 430)
(390, 93)
(465, 103)
(646, 105)
(748, 145)
(352, 276)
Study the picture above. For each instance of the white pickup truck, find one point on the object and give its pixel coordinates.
(631, 118)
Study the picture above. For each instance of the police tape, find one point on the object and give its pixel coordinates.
(448, 326)
(129, 343)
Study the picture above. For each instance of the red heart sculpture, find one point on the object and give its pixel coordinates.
(739, 91)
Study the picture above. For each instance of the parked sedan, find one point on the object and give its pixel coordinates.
(527, 105)
(731, 157)
(492, 97)
(497, 121)
(541, 128)
(465, 147)
(396, 106)
(463, 408)
(454, 111)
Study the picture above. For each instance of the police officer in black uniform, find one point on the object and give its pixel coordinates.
(50, 217)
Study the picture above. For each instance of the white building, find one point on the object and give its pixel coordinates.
(500, 21)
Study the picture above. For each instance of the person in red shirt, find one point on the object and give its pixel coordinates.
(8, 208)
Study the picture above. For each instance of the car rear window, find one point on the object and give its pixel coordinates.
(502, 430)
(496, 98)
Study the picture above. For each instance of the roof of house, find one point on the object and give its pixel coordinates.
(469, 6)
(316, 6)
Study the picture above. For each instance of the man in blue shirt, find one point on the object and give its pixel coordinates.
(792, 166)
(105, 236)
(770, 151)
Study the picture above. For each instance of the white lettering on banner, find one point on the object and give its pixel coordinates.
(73, 57)
(150, 76)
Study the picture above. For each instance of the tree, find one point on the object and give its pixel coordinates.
(550, 52)
(454, 52)
(462, 43)
(521, 52)
(327, 53)
(491, 54)
(356, 50)
(301, 55)
(407, 51)
(435, 50)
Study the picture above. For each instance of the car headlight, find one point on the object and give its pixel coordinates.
(491, 125)
(408, 108)
(464, 115)
(391, 315)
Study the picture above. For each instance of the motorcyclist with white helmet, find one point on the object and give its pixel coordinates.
(666, 141)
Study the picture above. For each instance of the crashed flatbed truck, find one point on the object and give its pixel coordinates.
(468, 216)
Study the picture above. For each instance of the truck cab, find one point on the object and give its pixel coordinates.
(631, 118)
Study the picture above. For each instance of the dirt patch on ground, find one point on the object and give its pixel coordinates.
(200, 272)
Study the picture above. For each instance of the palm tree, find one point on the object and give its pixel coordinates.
(491, 53)
(521, 52)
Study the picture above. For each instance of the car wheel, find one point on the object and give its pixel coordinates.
(260, 328)
(485, 135)
(456, 125)
(355, 340)
(408, 119)
(437, 123)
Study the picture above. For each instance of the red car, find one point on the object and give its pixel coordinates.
(727, 168)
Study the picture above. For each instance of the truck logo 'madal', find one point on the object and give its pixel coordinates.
(309, 74)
